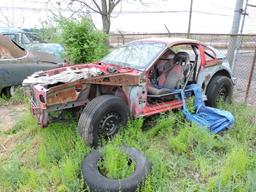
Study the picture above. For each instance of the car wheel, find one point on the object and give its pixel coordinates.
(98, 182)
(220, 88)
(9, 91)
(102, 118)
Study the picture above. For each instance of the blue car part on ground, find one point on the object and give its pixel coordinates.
(215, 120)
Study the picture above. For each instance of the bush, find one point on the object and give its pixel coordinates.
(82, 42)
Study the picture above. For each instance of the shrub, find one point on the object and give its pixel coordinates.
(82, 42)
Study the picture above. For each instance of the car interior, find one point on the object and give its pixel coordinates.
(175, 68)
(5, 53)
(10, 50)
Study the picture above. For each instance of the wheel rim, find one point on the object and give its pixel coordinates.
(110, 124)
(223, 93)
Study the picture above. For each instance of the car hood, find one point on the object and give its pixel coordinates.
(73, 73)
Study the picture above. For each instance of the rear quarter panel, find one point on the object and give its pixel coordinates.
(205, 75)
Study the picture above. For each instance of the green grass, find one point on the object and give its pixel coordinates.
(115, 164)
(183, 156)
(46, 160)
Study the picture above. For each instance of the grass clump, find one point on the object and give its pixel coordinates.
(192, 139)
(233, 174)
(115, 163)
(61, 154)
(191, 104)
(164, 122)
(48, 160)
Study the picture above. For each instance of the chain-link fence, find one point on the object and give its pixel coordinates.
(242, 65)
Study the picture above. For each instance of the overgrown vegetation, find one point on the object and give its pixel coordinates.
(183, 156)
(82, 42)
(115, 164)
(44, 159)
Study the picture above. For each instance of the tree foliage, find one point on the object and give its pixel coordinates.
(82, 42)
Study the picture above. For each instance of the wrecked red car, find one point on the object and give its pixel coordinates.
(136, 80)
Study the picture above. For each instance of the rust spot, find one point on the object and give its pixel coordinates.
(207, 77)
(62, 97)
(115, 79)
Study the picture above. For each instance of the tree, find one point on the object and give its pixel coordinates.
(60, 9)
(10, 17)
(102, 7)
(82, 8)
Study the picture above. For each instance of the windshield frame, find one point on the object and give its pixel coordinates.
(141, 68)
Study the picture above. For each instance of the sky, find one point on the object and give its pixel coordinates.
(209, 16)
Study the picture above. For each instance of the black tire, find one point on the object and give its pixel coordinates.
(7, 92)
(102, 117)
(99, 183)
(219, 88)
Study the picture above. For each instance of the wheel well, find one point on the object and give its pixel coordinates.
(97, 90)
(222, 72)
(4, 89)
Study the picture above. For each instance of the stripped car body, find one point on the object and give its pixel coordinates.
(128, 81)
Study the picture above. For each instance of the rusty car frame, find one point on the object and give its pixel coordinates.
(126, 83)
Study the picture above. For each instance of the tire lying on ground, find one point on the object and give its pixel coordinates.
(102, 117)
(219, 88)
(99, 183)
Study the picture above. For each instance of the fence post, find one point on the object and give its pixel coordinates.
(190, 17)
(235, 28)
(169, 34)
(122, 36)
(250, 76)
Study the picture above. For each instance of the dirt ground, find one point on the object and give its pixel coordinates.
(9, 114)
(8, 117)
